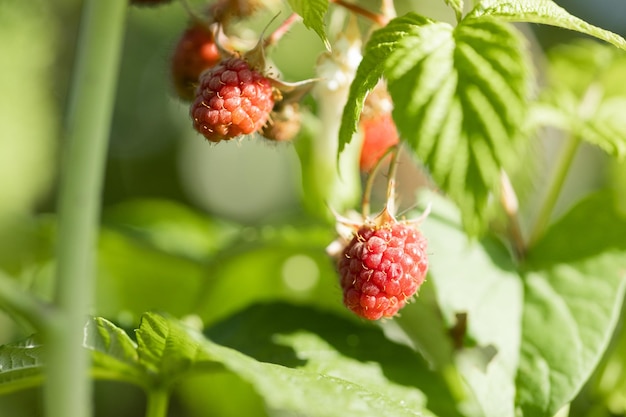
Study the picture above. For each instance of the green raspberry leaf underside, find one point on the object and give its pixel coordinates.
(21, 365)
(313, 12)
(460, 97)
(576, 286)
(113, 354)
(544, 12)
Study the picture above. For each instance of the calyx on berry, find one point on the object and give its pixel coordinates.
(237, 95)
(382, 262)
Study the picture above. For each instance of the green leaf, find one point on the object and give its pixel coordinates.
(325, 343)
(584, 96)
(170, 227)
(460, 97)
(134, 277)
(21, 365)
(545, 12)
(313, 12)
(168, 350)
(575, 284)
(480, 279)
(114, 354)
(274, 263)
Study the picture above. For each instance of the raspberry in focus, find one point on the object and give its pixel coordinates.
(232, 99)
(381, 268)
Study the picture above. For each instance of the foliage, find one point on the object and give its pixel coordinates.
(522, 312)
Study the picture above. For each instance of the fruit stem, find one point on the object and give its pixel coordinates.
(510, 203)
(377, 18)
(280, 31)
(369, 184)
(157, 402)
(67, 385)
(587, 106)
(391, 180)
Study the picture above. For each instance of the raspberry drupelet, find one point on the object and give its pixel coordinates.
(232, 99)
(381, 268)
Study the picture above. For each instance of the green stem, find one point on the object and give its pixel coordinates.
(68, 388)
(586, 108)
(158, 400)
(554, 188)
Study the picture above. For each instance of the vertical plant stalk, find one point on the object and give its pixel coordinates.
(67, 386)
(157, 402)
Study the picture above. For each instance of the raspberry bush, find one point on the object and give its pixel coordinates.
(421, 213)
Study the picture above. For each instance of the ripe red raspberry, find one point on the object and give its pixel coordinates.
(378, 128)
(195, 52)
(381, 267)
(232, 99)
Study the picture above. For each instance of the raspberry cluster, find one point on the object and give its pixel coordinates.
(381, 268)
(232, 99)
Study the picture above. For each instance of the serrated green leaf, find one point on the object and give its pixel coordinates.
(292, 392)
(286, 391)
(480, 279)
(460, 98)
(575, 285)
(113, 352)
(313, 12)
(325, 343)
(544, 12)
(168, 350)
(21, 365)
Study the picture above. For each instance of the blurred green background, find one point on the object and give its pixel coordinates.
(170, 198)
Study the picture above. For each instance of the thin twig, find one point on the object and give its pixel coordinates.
(374, 17)
(369, 184)
(275, 36)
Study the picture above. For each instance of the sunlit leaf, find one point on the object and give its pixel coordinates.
(477, 278)
(545, 12)
(575, 284)
(113, 352)
(21, 365)
(460, 98)
(168, 350)
(302, 337)
(313, 12)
